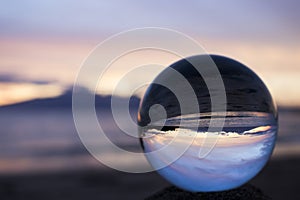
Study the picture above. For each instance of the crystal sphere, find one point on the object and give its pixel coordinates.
(238, 132)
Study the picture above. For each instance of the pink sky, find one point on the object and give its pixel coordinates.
(43, 44)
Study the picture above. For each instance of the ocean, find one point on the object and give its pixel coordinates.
(47, 140)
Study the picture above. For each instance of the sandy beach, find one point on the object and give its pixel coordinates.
(43, 158)
(279, 179)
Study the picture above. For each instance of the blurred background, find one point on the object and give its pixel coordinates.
(43, 44)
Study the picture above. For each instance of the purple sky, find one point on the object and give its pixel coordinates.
(48, 40)
(233, 19)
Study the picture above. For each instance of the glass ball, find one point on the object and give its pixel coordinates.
(173, 131)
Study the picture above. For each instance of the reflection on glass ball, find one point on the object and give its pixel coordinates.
(243, 144)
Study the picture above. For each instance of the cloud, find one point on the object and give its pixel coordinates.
(16, 89)
(11, 78)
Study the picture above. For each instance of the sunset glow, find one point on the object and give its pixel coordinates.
(51, 51)
(19, 92)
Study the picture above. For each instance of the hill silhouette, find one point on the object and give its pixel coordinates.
(64, 101)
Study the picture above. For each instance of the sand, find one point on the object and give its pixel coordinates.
(280, 179)
(245, 192)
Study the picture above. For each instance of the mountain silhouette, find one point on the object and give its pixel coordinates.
(64, 101)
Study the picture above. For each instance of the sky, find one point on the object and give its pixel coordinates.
(44, 43)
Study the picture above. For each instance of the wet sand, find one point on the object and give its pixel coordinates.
(280, 179)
